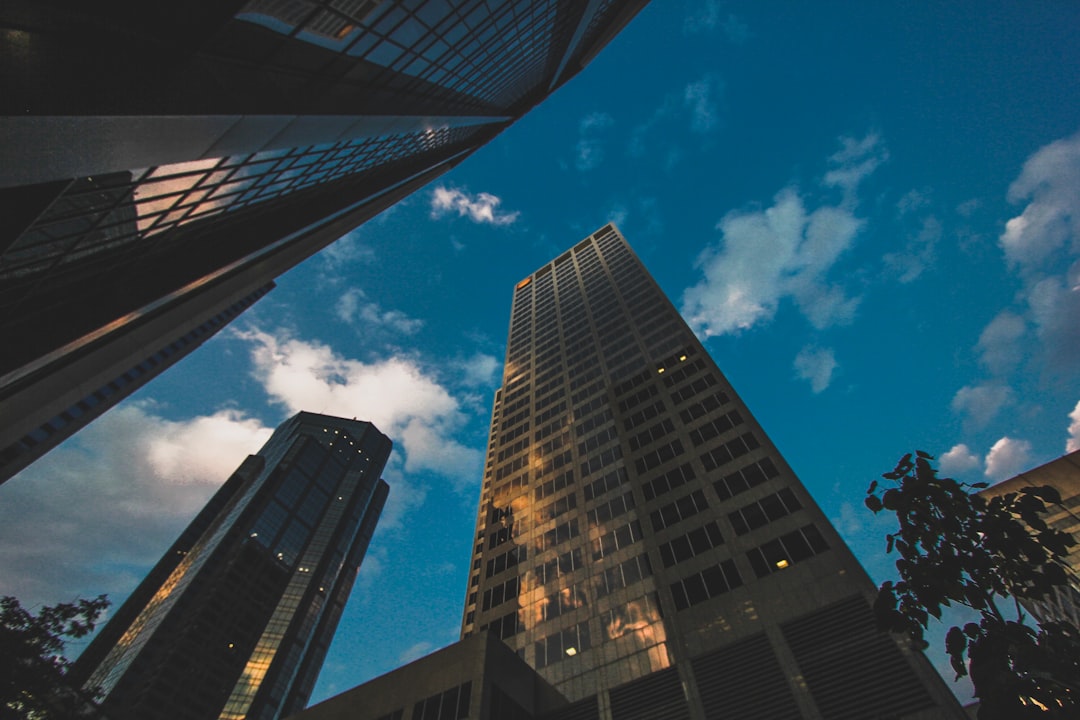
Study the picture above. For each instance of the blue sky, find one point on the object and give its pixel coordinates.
(870, 213)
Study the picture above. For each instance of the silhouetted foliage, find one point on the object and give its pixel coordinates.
(32, 667)
(988, 554)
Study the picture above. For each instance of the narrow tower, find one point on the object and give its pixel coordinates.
(642, 543)
(235, 620)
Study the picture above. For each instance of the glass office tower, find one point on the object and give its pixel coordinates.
(235, 620)
(163, 161)
(642, 543)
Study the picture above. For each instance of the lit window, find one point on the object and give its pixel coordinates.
(781, 564)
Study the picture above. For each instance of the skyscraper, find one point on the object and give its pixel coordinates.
(642, 543)
(118, 374)
(167, 160)
(235, 620)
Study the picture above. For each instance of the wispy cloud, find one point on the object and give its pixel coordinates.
(1007, 457)
(589, 151)
(355, 308)
(1000, 348)
(816, 365)
(854, 162)
(480, 371)
(701, 99)
(480, 208)
(980, 404)
(346, 250)
(709, 16)
(415, 652)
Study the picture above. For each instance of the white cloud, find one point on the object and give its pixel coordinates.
(815, 365)
(69, 520)
(1050, 181)
(981, 403)
(767, 255)
(1000, 347)
(589, 152)
(854, 162)
(700, 98)
(480, 208)
(1008, 457)
(395, 394)
(960, 459)
(352, 309)
(1072, 444)
(1042, 244)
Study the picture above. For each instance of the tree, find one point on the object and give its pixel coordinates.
(987, 554)
(32, 667)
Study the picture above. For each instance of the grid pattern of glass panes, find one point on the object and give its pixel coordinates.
(487, 53)
(607, 437)
(136, 208)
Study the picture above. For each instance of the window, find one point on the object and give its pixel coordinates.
(683, 508)
(654, 433)
(554, 568)
(611, 509)
(764, 511)
(668, 481)
(694, 543)
(617, 539)
(562, 645)
(729, 451)
(781, 553)
(662, 454)
(746, 478)
(606, 483)
(450, 705)
(602, 460)
(500, 593)
(561, 601)
(508, 559)
(715, 427)
(622, 575)
(706, 584)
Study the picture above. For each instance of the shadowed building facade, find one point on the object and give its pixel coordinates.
(161, 162)
(235, 620)
(1063, 474)
(640, 541)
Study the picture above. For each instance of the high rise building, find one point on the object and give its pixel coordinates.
(235, 620)
(640, 541)
(121, 372)
(165, 161)
(1063, 474)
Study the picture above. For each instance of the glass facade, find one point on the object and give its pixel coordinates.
(244, 138)
(238, 624)
(635, 520)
